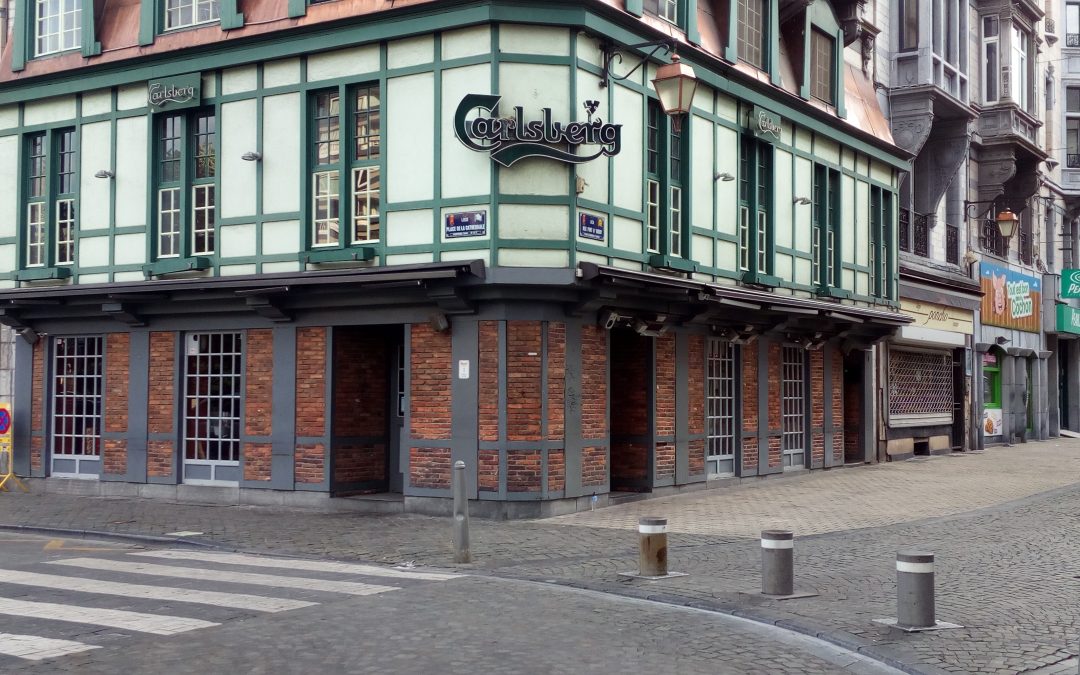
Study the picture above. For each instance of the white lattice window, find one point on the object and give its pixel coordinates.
(57, 26)
(183, 13)
(720, 415)
(652, 224)
(35, 235)
(325, 198)
(168, 223)
(213, 368)
(675, 227)
(76, 397)
(365, 205)
(65, 231)
(793, 406)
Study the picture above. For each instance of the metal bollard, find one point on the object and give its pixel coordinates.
(777, 562)
(461, 515)
(915, 589)
(652, 539)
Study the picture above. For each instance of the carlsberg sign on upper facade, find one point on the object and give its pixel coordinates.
(1070, 283)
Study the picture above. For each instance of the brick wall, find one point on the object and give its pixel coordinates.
(258, 401)
(117, 367)
(523, 471)
(361, 404)
(593, 394)
(852, 445)
(750, 405)
(487, 471)
(257, 460)
(775, 418)
(556, 381)
(696, 394)
(556, 470)
(431, 368)
(523, 380)
(429, 468)
(665, 404)
(309, 459)
(817, 407)
(593, 466)
(837, 398)
(488, 380)
(160, 409)
(631, 363)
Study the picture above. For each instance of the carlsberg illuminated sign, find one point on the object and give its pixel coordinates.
(510, 139)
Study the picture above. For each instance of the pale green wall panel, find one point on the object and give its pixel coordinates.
(827, 150)
(803, 272)
(406, 259)
(239, 80)
(849, 279)
(282, 184)
(283, 266)
(783, 267)
(237, 240)
(862, 283)
(464, 172)
(849, 161)
(847, 219)
(862, 224)
(727, 255)
(120, 277)
(727, 108)
(132, 96)
(7, 258)
(804, 171)
(515, 257)
(701, 173)
(94, 193)
(343, 63)
(100, 278)
(533, 87)
(129, 249)
(209, 84)
(803, 140)
(94, 251)
(97, 102)
(625, 264)
(595, 173)
(237, 270)
(410, 138)
(130, 181)
(281, 73)
(783, 193)
(407, 228)
(411, 52)
(281, 236)
(727, 192)
(626, 234)
(592, 257)
(527, 221)
(880, 172)
(238, 177)
(457, 44)
(481, 254)
(588, 49)
(49, 111)
(628, 111)
(9, 116)
(9, 178)
(701, 249)
(545, 41)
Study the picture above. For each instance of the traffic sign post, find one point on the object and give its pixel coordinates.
(7, 460)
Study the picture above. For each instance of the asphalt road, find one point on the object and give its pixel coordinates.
(71, 605)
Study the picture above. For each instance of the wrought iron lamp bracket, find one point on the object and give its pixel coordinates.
(612, 53)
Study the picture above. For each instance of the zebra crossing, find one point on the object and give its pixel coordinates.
(65, 607)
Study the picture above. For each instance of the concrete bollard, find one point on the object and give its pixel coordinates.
(652, 538)
(461, 515)
(915, 589)
(777, 562)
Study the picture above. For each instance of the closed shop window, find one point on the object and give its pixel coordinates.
(920, 386)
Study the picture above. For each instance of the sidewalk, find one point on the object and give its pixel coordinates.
(1003, 525)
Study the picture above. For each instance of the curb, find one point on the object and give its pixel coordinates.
(99, 534)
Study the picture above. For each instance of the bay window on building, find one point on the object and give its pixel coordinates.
(57, 26)
(186, 13)
(755, 208)
(753, 33)
(50, 210)
(825, 226)
(909, 25)
(950, 46)
(345, 167)
(186, 176)
(1022, 68)
(1072, 127)
(665, 169)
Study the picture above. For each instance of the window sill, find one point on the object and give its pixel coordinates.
(759, 279)
(43, 273)
(831, 292)
(352, 254)
(173, 265)
(671, 262)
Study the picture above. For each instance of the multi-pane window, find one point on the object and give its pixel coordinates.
(57, 25)
(50, 198)
(668, 10)
(77, 396)
(1021, 67)
(664, 216)
(909, 25)
(212, 378)
(752, 32)
(675, 193)
(1024, 248)
(825, 222)
(881, 252)
(822, 66)
(720, 413)
(184, 13)
(755, 182)
(1072, 24)
(991, 61)
(793, 406)
(992, 241)
(356, 155)
(1072, 127)
(652, 180)
(187, 193)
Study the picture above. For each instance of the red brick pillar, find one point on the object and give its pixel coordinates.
(37, 409)
(258, 403)
(117, 376)
(818, 403)
(751, 452)
(524, 346)
(594, 396)
(430, 417)
(776, 422)
(838, 405)
(309, 460)
(664, 409)
(160, 413)
(696, 395)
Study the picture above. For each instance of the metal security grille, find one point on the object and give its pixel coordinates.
(77, 387)
(720, 407)
(212, 398)
(920, 383)
(793, 406)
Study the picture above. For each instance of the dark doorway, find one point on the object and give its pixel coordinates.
(959, 395)
(631, 410)
(1064, 404)
(854, 372)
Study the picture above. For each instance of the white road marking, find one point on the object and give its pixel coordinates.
(34, 648)
(157, 624)
(291, 564)
(202, 574)
(235, 600)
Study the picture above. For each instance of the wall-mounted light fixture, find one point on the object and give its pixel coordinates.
(724, 176)
(801, 201)
(1001, 340)
(1006, 219)
(675, 82)
(104, 173)
(251, 156)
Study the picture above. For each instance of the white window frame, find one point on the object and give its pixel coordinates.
(215, 416)
(652, 224)
(991, 74)
(325, 191)
(1021, 67)
(669, 11)
(366, 182)
(721, 417)
(199, 12)
(35, 234)
(57, 26)
(744, 238)
(65, 231)
(168, 218)
(675, 228)
(205, 210)
(77, 397)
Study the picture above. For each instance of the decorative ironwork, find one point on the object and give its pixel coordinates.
(1072, 161)
(920, 236)
(1072, 40)
(992, 241)
(905, 230)
(920, 383)
(952, 244)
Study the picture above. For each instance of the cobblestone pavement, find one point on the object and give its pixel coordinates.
(1002, 523)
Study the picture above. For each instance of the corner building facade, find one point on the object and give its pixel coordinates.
(276, 251)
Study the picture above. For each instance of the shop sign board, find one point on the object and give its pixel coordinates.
(939, 317)
(174, 93)
(1010, 299)
(1070, 283)
(1068, 320)
(991, 425)
(591, 227)
(466, 224)
(765, 123)
(512, 138)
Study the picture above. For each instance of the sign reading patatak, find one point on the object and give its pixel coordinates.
(510, 139)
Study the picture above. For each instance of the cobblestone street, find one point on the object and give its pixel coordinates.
(1002, 523)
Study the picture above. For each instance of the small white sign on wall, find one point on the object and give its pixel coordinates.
(463, 369)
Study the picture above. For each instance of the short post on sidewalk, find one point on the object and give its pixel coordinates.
(461, 515)
(652, 540)
(915, 590)
(777, 562)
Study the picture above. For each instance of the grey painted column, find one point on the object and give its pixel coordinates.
(138, 395)
(21, 405)
(283, 404)
(762, 345)
(572, 408)
(869, 418)
(827, 422)
(464, 399)
(1053, 390)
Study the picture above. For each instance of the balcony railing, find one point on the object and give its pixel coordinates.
(1072, 39)
(952, 244)
(914, 233)
(1072, 161)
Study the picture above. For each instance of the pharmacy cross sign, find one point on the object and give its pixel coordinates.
(510, 139)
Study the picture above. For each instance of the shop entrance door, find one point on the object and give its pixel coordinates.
(398, 401)
(793, 407)
(959, 385)
(213, 368)
(1063, 384)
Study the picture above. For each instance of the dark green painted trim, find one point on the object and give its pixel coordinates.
(672, 263)
(171, 265)
(9, 240)
(91, 46)
(20, 37)
(693, 35)
(635, 7)
(761, 279)
(357, 253)
(774, 40)
(831, 292)
(148, 23)
(43, 273)
(297, 8)
(231, 16)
